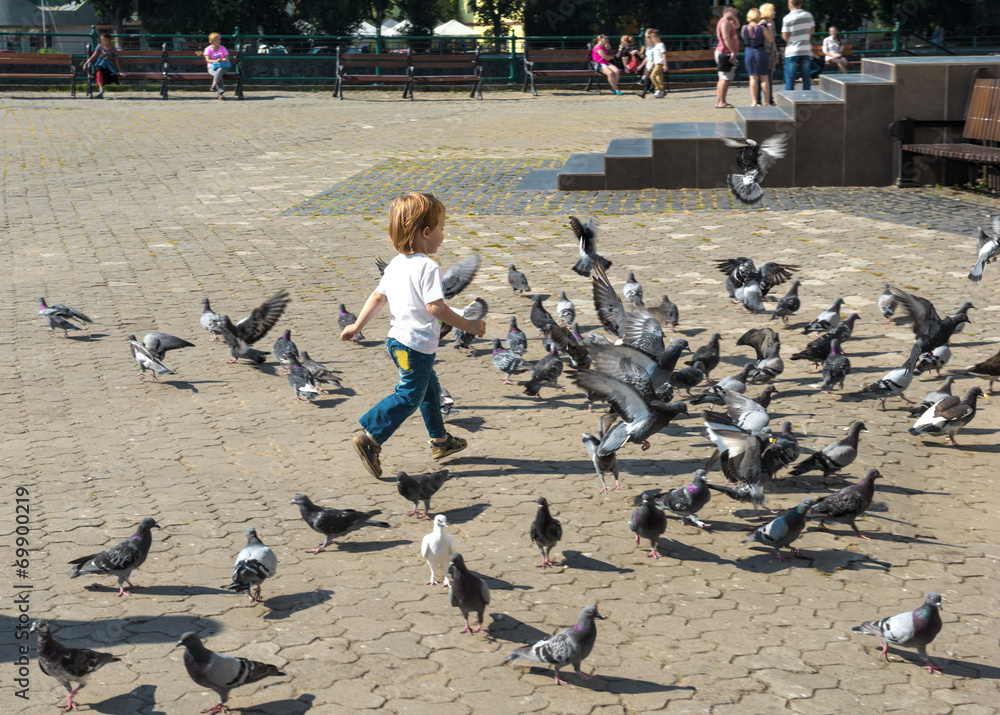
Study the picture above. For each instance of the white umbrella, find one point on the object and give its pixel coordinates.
(453, 28)
(399, 28)
(365, 28)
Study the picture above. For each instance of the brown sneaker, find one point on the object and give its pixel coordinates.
(450, 445)
(368, 451)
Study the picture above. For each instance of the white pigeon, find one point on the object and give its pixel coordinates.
(989, 248)
(254, 564)
(437, 547)
(565, 309)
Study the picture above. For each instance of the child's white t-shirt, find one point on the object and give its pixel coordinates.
(658, 52)
(409, 284)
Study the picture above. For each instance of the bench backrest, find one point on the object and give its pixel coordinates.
(195, 57)
(35, 58)
(844, 50)
(983, 119)
(691, 55)
(384, 61)
(457, 62)
(558, 56)
(137, 57)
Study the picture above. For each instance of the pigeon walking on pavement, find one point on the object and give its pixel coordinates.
(607, 464)
(467, 592)
(666, 313)
(948, 415)
(828, 319)
(569, 647)
(210, 320)
(517, 280)
(836, 368)
(586, 235)
(990, 369)
(284, 349)
(782, 530)
(913, 629)
(517, 341)
(987, 248)
(508, 362)
(57, 317)
(754, 160)
(66, 664)
(648, 522)
(545, 532)
(707, 355)
(219, 672)
(894, 382)
(145, 360)
(685, 502)
(789, 304)
(933, 397)
(334, 522)
(546, 374)
(848, 504)
(121, 559)
(302, 380)
(540, 317)
(319, 372)
(887, 302)
(835, 457)
(565, 309)
(632, 290)
(420, 488)
(437, 548)
(346, 318)
(254, 327)
(254, 564)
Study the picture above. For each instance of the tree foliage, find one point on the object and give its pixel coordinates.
(494, 12)
(423, 15)
(113, 10)
(613, 17)
(337, 18)
(205, 16)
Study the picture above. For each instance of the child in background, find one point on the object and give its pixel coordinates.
(105, 61)
(659, 63)
(647, 65)
(411, 285)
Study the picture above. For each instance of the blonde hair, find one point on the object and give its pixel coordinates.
(653, 32)
(409, 215)
(628, 39)
(214, 36)
(753, 15)
(767, 11)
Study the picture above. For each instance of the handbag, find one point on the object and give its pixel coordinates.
(225, 64)
(633, 64)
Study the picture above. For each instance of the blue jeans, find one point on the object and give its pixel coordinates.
(804, 66)
(418, 387)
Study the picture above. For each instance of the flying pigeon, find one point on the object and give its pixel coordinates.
(754, 160)
(782, 452)
(834, 457)
(284, 349)
(587, 237)
(66, 664)
(120, 560)
(644, 332)
(836, 367)
(930, 329)
(767, 345)
(319, 372)
(517, 341)
(508, 362)
(687, 501)
(159, 343)
(887, 302)
(632, 290)
(565, 309)
(707, 355)
(602, 465)
(609, 306)
(848, 504)
(346, 318)
(894, 382)
(437, 547)
(456, 279)
(467, 592)
(546, 374)
(740, 456)
(57, 317)
(988, 246)
(254, 564)
(949, 415)
(447, 404)
(518, 281)
(539, 316)
(989, 369)
(568, 647)
(752, 284)
(749, 414)
(254, 327)
(828, 319)
(545, 532)
(210, 320)
(420, 487)
(913, 629)
(476, 310)
(648, 522)
(789, 304)
(302, 380)
(334, 522)
(219, 672)
(933, 397)
(666, 313)
(782, 530)
(145, 360)
(934, 360)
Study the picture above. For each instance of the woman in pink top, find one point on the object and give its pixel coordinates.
(217, 59)
(601, 57)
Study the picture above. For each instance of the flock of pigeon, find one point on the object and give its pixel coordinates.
(630, 367)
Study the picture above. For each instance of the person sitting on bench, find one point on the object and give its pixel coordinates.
(217, 59)
(106, 67)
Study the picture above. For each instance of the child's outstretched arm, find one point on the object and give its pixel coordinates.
(440, 311)
(372, 306)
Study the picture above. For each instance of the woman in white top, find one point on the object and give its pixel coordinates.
(833, 50)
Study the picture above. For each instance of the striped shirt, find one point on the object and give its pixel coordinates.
(799, 25)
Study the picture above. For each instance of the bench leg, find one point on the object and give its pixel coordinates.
(239, 86)
(408, 91)
(72, 85)
(164, 93)
(90, 86)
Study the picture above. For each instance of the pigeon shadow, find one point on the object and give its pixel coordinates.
(284, 606)
(88, 337)
(626, 686)
(970, 447)
(498, 584)
(133, 702)
(301, 704)
(525, 465)
(161, 590)
(465, 514)
(472, 423)
(188, 385)
(950, 666)
(329, 402)
(364, 547)
(686, 552)
(578, 560)
(267, 369)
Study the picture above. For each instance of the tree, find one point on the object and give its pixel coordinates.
(560, 17)
(114, 10)
(337, 18)
(423, 15)
(494, 12)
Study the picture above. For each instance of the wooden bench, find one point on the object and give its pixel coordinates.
(845, 52)
(981, 129)
(38, 65)
(368, 68)
(570, 63)
(187, 58)
(461, 67)
(705, 59)
(127, 60)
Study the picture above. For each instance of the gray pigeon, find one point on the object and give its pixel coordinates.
(517, 341)
(254, 327)
(159, 343)
(301, 380)
(121, 559)
(934, 360)
(754, 160)
(467, 592)
(685, 502)
(586, 235)
(894, 382)
(545, 532)
(284, 349)
(987, 247)
(219, 672)
(508, 362)
(834, 457)
(66, 664)
(145, 360)
(836, 368)
(632, 290)
(828, 319)
(254, 564)
(741, 456)
(789, 304)
(518, 281)
(459, 276)
(420, 488)
(648, 522)
(913, 629)
(447, 404)
(210, 320)
(607, 464)
(57, 317)
(931, 330)
(848, 504)
(707, 355)
(565, 308)
(887, 302)
(715, 395)
(345, 318)
(666, 313)
(767, 345)
(476, 310)
(949, 415)
(334, 522)
(546, 374)
(934, 397)
(782, 530)
(540, 317)
(320, 372)
(568, 647)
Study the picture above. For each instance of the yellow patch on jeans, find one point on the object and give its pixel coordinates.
(402, 359)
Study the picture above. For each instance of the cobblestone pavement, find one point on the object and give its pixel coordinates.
(133, 209)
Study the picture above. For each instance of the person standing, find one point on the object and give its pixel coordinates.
(659, 63)
(771, 47)
(796, 30)
(725, 54)
(833, 50)
(106, 66)
(755, 36)
(217, 58)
